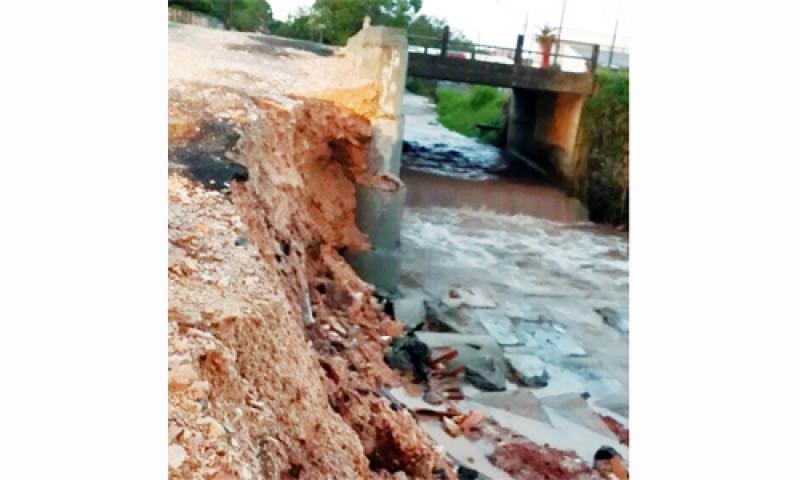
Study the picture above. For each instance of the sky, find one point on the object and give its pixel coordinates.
(497, 22)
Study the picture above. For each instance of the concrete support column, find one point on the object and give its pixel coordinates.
(380, 55)
(543, 129)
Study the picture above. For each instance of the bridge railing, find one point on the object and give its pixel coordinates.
(569, 55)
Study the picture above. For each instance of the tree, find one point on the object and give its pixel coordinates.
(334, 21)
(425, 26)
(242, 15)
(201, 6)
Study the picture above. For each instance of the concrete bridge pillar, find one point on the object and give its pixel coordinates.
(543, 128)
(380, 57)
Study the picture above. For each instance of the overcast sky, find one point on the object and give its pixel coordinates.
(497, 22)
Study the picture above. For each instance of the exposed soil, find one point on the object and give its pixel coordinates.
(619, 429)
(276, 346)
(523, 459)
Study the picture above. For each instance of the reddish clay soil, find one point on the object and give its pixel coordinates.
(619, 430)
(523, 459)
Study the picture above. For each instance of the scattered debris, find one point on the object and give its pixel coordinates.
(466, 473)
(409, 354)
(617, 404)
(526, 460)
(549, 343)
(616, 319)
(451, 427)
(474, 297)
(480, 355)
(619, 429)
(458, 319)
(575, 408)
(519, 402)
(529, 369)
(410, 311)
(499, 327)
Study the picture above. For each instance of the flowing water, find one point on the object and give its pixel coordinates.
(529, 264)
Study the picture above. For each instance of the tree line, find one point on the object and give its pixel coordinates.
(327, 21)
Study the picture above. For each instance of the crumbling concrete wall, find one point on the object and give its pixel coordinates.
(379, 59)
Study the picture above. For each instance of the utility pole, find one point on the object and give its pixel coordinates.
(613, 41)
(560, 27)
(525, 26)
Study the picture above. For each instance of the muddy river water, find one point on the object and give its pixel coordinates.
(529, 252)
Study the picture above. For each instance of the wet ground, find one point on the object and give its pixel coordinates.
(552, 294)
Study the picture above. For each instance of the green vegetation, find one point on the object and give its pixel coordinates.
(604, 149)
(242, 15)
(431, 27)
(463, 111)
(334, 21)
(421, 86)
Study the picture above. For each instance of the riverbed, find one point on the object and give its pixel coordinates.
(531, 253)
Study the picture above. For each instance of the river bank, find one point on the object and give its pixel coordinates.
(528, 248)
(278, 351)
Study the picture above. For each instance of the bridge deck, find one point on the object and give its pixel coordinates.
(498, 74)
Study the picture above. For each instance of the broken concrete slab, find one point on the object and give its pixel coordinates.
(548, 340)
(475, 297)
(410, 310)
(467, 452)
(575, 408)
(409, 354)
(530, 369)
(459, 319)
(499, 326)
(615, 318)
(520, 402)
(481, 356)
(617, 404)
(570, 312)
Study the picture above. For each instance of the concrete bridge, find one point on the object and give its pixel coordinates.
(542, 121)
(546, 102)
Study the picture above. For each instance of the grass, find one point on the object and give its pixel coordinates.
(463, 111)
(604, 149)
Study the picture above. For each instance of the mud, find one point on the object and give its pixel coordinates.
(619, 429)
(526, 460)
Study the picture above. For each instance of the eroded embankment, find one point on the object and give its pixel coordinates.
(275, 345)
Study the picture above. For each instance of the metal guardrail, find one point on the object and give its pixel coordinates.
(445, 47)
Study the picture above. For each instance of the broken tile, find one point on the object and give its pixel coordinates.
(530, 369)
(499, 327)
(480, 354)
(475, 297)
(615, 318)
(574, 408)
(520, 402)
(410, 310)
